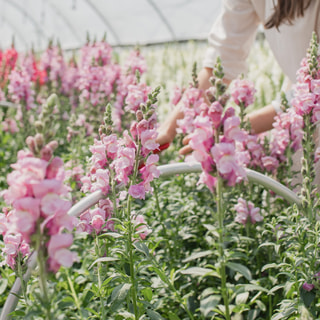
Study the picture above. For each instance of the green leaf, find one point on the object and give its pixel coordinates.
(147, 293)
(269, 266)
(261, 305)
(253, 287)
(173, 316)
(93, 311)
(197, 271)
(141, 247)
(208, 304)
(120, 292)
(241, 269)
(274, 289)
(242, 298)
(103, 259)
(17, 313)
(307, 297)
(197, 255)
(111, 235)
(161, 274)
(3, 285)
(154, 315)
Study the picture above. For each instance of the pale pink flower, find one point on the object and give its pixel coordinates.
(101, 181)
(246, 212)
(243, 92)
(55, 169)
(141, 226)
(58, 253)
(315, 86)
(303, 103)
(137, 94)
(98, 219)
(215, 113)
(176, 96)
(232, 131)
(137, 191)
(3, 224)
(225, 157)
(270, 163)
(148, 140)
(209, 180)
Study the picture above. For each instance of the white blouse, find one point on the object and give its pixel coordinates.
(234, 31)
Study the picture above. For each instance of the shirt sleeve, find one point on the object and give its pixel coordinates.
(231, 37)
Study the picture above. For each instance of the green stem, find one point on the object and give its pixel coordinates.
(43, 282)
(133, 289)
(114, 194)
(74, 294)
(224, 290)
(99, 280)
(20, 275)
(155, 192)
(131, 261)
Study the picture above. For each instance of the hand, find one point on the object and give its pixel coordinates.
(186, 149)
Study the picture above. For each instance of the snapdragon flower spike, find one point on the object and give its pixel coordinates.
(53, 63)
(135, 62)
(20, 88)
(191, 106)
(114, 160)
(37, 196)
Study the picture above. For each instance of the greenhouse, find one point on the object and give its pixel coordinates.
(159, 159)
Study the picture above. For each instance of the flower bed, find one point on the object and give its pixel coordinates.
(212, 246)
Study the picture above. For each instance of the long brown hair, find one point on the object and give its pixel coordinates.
(286, 11)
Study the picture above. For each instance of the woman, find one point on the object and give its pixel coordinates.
(288, 28)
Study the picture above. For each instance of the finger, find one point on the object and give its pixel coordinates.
(186, 139)
(185, 150)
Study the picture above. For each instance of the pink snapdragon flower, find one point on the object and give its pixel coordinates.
(135, 62)
(141, 226)
(308, 286)
(215, 113)
(242, 92)
(59, 254)
(137, 94)
(232, 131)
(303, 103)
(137, 191)
(246, 212)
(227, 162)
(176, 96)
(35, 193)
(20, 88)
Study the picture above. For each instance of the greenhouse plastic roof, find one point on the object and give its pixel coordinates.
(126, 22)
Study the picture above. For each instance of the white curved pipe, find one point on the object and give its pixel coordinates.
(165, 171)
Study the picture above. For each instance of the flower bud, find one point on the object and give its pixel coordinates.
(53, 145)
(46, 153)
(39, 126)
(149, 113)
(224, 99)
(39, 141)
(31, 143)
(51, 101)
(212, 80)
(211, 92)
(143, 107)
(139, 115)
